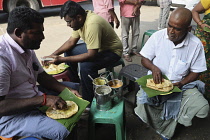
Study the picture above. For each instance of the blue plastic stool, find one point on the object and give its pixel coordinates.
(148, 33)
(113, 116)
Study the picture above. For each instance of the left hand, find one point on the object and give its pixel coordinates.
(178, 84)
(136, 11)
(117, 22)
(56, 59)
(75, 92)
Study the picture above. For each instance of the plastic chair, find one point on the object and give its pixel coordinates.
(118, 63)
(113, 116)
(148, 33)
(64, 76)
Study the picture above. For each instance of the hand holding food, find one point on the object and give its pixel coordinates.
(55, 69)
(156, 74)
(165, 86)
(72, 108)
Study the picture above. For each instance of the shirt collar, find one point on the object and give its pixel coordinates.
(185, 42)
(13, 44)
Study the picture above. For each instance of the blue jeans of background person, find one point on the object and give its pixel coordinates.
(102, 60)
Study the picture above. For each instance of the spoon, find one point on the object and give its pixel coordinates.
(112, 77)
(90, 77)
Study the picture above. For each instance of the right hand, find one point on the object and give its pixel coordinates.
(204, 25)
(157, 75)
(46, 62)
(117, 22)
(55, 102)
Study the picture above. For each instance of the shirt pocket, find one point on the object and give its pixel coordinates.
(182, 68)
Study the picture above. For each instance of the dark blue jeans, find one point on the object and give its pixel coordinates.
(102, 60)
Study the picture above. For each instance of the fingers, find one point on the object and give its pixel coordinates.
(76, 93)
(55, 102)
(117, 25)
(157, 75)
(61, 104)
(46, 60)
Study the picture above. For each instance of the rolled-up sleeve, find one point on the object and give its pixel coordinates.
(109, 4)
(148, 50)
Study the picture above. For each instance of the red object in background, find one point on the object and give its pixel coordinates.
(8, 5)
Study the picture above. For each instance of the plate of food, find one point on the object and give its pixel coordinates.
(152, 89)
(53, 69)
(71, 115)
(72, 108)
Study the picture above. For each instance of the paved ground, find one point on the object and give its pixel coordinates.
(56, 33)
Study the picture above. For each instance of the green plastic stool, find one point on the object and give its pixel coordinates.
(148, 33)
(118, 63)
(113, 116)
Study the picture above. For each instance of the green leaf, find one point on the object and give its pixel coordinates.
(151, 92)
(207, 29)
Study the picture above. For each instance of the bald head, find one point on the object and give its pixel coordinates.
(182, 15)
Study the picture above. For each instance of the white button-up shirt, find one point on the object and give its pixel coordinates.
(175, 61)
(18, 70)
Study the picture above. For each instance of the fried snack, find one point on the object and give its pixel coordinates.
(72, 108)
(165, 86)
(55, 69)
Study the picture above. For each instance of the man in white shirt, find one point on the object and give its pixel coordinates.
(179, 55)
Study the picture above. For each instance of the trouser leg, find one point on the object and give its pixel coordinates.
(73, 66)
(33, 123)
(125, 34)
(164, 17)
(103, 60)
(160, 19)
(135, 26)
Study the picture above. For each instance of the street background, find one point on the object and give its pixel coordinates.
(56, 33)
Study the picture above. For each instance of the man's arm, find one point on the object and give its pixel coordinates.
(76, 58)
(113, 14)
(156, 73)
(14, 106)
(53, 84)
(189, 78)
(69, 44)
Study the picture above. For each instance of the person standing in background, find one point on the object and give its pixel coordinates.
(164, 13)
(105, 9)
(130, 17)
(204, 6)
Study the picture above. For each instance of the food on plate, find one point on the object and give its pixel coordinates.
(100, 81)
(55, 69)
(72, 108)
(116, 84)
(165, 86)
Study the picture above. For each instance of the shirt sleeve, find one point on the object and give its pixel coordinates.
(75, 34)
(205, 4)
(109, 4)
(148, 50)
(199, 61)
(93, 36)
